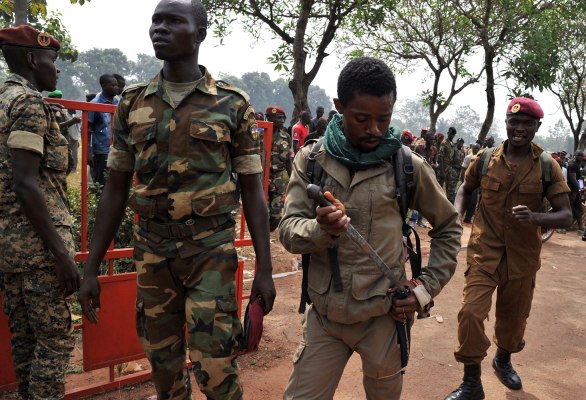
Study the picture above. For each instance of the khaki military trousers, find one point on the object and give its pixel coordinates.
(513, 304)
(326, 347)
(198, 292)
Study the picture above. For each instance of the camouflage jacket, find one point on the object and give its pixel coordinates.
(184, 158)
(446, 153)
(27, 123)
(459, 156)
(280, 152)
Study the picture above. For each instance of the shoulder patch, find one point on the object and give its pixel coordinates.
(226, 86)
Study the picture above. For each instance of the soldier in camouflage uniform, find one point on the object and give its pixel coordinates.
(183, 135)
(280, 162)
(37, 272)
(65, 121)
(459, 156)
(446, 162)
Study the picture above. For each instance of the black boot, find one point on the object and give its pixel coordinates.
(471, 387)
(504, 370)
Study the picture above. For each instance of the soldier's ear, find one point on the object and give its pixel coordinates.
(339, 106)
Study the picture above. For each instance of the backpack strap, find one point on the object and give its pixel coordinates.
(485, 160)
(314, 172)
(403, 166)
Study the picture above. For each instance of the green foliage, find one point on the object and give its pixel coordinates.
(123, 238)
(82, 76)
(39, 17)
(307, 30)
(559, 137)
(265, 92)
(416, 33)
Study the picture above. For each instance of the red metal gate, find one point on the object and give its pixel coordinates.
(113, 340)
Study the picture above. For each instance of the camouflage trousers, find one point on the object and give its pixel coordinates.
(199, 291)
(40, 322)
(276, 191)
(452, 177)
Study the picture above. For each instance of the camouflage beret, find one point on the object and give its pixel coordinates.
(27, 36)
(274, 110)
(524, 105)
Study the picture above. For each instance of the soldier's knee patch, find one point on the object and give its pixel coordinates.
(213, 325)
(217, 377)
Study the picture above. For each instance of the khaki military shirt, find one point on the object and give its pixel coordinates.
(185, 157)
(371, 201)
(27, 123)
(496, 232)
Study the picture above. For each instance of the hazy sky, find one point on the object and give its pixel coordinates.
(124, 24)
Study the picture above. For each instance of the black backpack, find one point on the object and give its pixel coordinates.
(403, 166)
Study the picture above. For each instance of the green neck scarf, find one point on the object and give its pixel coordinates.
(339, 147)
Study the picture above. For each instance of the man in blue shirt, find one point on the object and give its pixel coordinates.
(99, 129)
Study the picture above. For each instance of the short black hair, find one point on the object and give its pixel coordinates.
(119, 77)
(105, 78)
(452, 129)
(200, 13)
(366, 75)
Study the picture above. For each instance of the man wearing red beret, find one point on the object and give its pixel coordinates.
(280, 162)
(38, 275)
(505, 244)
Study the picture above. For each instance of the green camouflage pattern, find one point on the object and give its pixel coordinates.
(41, 327)
(61, 115)
(280, 156)
(459, 156)
(24, 115)
(453, 174)
(199, 291)
(185, 157)
(446, 154)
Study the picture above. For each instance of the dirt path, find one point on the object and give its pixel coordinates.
(552, 364)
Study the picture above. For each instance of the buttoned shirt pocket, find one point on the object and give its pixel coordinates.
(143, 138)
(490, 191)
(530, 194)
(371, 287)
(208, 144)
(56, 152)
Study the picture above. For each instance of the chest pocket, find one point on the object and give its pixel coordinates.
(490, 191)
(208, 144)
(56, 151)
(530, 194)
(144, 140)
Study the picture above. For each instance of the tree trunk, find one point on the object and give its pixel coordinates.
(298, 85)
(580, 144)
(20, 12)
(490, 98)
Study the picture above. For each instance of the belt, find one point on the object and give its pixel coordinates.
(178, 230)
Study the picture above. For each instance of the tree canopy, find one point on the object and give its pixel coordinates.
(35, 13)
(306, 28)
